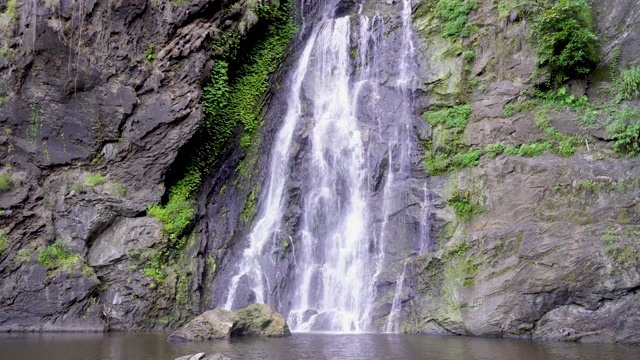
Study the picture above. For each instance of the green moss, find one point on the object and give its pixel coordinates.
(463, 205)
(447, 152)
(494, 150)
(250, 204)
(10, 11)
(5, 181)
(94, 180)
(529, 149)
(450, 118)
(59, 255)
(23, 256)
(454, 14)
(3, 242)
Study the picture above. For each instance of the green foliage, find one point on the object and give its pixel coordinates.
(153, 262)
(509, 110)
(630, 85)
(150, 54)
(10, 11)
(441, 164)
(94, 180)
(23, 256)
(452, 117)
(529, 149)
(625, 131)
(5, 181)
(175, 216)
(494, 150)
(232, 97)
(250, 204)
(58, 255)
(462, 204)
(454, 14)
(118, 188)
(3, 241)
(469, 55)
(461, 268)
(565, 41)
(565, 144)
(447, 151)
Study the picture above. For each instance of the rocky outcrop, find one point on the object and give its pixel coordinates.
(257, 320)
(96, 100)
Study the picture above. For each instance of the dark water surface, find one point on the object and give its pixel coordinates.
(113, 346)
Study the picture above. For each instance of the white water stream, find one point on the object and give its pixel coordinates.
(336, 270)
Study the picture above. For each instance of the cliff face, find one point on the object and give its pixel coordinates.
(98, 97)
(548, 245)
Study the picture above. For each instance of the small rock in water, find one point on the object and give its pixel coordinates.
(203, 356)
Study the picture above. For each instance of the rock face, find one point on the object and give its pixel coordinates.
(97, 99)
(550, 251)
(257, 320)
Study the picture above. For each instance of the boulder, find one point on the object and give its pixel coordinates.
(257, 320)
(212, 324)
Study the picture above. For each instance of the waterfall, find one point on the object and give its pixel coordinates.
(393, 323)
(270, 216)
(339, 248)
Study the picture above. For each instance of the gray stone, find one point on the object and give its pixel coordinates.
(125, 235)
(212, 324)
(256, 320)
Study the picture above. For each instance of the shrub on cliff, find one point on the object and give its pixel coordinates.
(565, 41)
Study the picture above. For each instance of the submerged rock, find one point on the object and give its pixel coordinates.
(256, 320)
(203, 356)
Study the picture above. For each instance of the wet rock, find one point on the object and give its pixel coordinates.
(203, 356)
(257, 320)
(212, 324)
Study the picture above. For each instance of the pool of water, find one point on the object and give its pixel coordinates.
(119, 346)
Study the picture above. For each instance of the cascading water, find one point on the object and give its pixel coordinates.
(339, 251)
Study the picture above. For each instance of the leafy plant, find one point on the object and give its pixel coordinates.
(3, 241)
(625, 131)
(494, 150)
(454, 14)
(630, 82)
(94, 180)
(530, 149)
(5, 181)
(150, 54)
(452, 117)
(58, 255)
(463, 206)
(565, 41)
